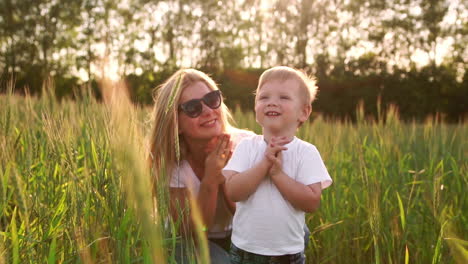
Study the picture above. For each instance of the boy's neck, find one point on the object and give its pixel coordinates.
(267, 135)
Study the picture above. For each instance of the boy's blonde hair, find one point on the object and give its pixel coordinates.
(284, 73)
(164, 135)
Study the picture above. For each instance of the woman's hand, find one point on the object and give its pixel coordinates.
(219, 153)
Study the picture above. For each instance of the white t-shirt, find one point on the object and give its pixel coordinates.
(183, 176)
(266, 223)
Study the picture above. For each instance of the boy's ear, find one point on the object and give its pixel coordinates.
(305, 113)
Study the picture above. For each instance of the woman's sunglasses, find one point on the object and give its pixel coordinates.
(194, 107)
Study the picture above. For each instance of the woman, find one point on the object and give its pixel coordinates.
(192, 139)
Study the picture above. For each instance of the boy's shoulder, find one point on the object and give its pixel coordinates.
(301, 144)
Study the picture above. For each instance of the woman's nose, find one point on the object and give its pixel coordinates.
(206, 109)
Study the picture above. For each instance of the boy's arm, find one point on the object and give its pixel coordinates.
(303, 197)
(239, 186)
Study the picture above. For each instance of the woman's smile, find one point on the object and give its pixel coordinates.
(209, 123)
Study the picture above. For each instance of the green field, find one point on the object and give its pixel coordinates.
(75, 189)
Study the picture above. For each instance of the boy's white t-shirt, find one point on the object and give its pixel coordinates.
(183, 176)
(266, 223)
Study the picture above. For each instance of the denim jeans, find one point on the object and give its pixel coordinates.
(239, 256)
(218, 255)
(306, 237)
(218, 250)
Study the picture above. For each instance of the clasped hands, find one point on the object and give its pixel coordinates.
(274, 155)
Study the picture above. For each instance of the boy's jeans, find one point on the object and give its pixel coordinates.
(239, 256)
(217, 254)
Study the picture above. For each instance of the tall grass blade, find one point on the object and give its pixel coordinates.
(174, 93)
(436, 257)
(406, 255)
(129, 151)
(52, 251)
(200, 229)
(402, 211)
(14, 238)
(4, 177)
(3, 252)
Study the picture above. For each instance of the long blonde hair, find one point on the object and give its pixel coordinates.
(166, 146)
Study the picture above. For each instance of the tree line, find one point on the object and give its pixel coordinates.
(408, 53)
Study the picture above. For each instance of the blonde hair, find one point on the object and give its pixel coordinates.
(166, 146)
(283, 73)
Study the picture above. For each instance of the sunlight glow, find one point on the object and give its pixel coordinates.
(109, 68)
(188, 51)
(420, 57)
(83, 74)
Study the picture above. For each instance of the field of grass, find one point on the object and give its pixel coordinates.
(74, 187)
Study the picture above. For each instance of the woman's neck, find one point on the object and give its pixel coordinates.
(196, 154)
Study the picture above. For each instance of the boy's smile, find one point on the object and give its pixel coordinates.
(279, 107)
(272, 113)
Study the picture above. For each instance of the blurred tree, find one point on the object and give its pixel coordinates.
(37, 39)
(316, 21)
(89, 35)
(433, 12)
(360, 50)
(219, 45)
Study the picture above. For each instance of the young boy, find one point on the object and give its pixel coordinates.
(275, 178)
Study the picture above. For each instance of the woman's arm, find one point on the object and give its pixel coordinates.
(180, 205)
(208, 198)
(213, 180)
(178, 208)
(230, 204)
(210, 185)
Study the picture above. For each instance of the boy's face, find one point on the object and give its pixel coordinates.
(279, 106)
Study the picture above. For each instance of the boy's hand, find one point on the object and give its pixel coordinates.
(275, 146)
(277, 164)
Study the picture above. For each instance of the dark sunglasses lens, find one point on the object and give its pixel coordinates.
(212, 99)
(193, 108)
